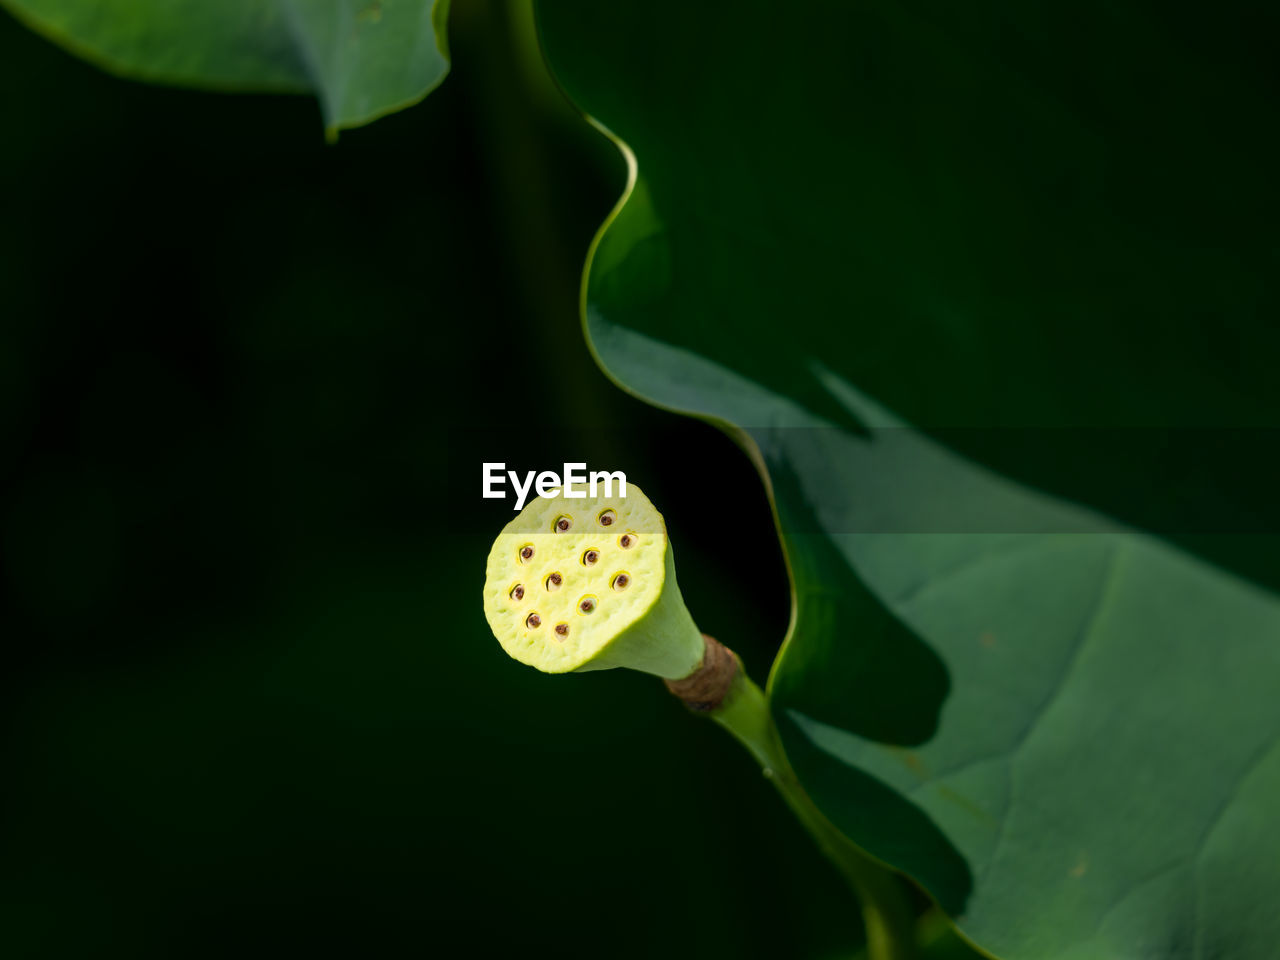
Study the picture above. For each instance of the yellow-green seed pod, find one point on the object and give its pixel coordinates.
(590, 584)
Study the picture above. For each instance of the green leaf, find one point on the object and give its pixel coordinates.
(1057, 710)
(360, 58)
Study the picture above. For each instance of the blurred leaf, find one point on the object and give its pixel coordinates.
(995, 218)
(360, 58)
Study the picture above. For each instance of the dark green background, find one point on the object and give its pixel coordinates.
(250, 701)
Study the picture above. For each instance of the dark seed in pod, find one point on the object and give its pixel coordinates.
(562, 629)
(563, 524)
(620, 581)
(517, 592)
(606, 518)
(590, 557)
(533, 620)
(625, 541)
(587, 605)
(554, 581)
(526, 553)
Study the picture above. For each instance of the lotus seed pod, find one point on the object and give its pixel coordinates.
(611, 605)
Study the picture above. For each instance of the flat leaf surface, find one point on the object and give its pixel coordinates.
(360, 58)
(966, 277)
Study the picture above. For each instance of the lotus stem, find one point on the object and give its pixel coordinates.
(590, 584)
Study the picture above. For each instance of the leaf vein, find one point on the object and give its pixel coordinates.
(1106, 590)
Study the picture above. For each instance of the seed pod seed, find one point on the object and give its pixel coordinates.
(563, 523)
(554, 581)
(562, 629)
(644, 603)
(626, 541)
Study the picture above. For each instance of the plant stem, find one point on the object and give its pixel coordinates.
(886, 912)
(553, 179)
(522, 116)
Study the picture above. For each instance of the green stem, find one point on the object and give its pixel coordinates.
(886, 912)
(553, 177)
(522, 117)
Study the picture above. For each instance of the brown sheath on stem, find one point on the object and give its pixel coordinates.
(706, 687)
